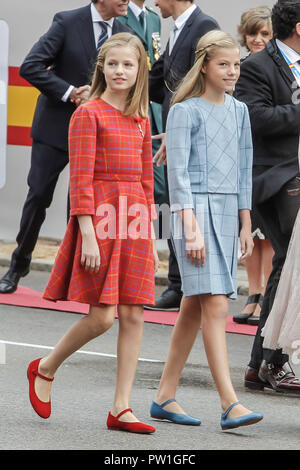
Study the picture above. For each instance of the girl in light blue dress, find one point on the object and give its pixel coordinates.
(209, 162)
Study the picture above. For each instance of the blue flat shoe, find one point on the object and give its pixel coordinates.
(157, 411)
(246, 420)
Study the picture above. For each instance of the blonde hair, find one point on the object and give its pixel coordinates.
(252, 21)
(193, 84)
(137, 100)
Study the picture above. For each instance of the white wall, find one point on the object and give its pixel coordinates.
(28, 20)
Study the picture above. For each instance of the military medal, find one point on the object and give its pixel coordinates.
(156, 45)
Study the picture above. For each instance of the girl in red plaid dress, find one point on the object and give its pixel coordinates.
(108, 256)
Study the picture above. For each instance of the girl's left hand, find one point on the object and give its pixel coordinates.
(247, 243)
(90, 254)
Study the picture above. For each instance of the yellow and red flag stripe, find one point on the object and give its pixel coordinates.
(22, 99)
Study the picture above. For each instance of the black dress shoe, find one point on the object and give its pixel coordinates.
(253, 320)
(169, 301)
(280, 378)
(252, 380)
(244, 317)
(9, 282)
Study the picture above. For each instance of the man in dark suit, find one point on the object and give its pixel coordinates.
(60, 65)
(270, 84)
(167, 72)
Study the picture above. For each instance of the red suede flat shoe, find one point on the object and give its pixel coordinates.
(113, 422)
(42, 408)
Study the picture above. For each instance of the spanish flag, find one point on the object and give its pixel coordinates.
(22, 99)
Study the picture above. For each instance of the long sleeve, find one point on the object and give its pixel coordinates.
(147, 171)
(246, 162)
(36, 68)
(178, 141)
(82, 152)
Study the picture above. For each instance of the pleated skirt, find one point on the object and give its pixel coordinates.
(217, 216)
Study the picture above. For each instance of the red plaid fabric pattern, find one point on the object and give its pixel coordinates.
(110, 167)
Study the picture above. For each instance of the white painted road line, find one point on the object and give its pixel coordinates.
(91, 353)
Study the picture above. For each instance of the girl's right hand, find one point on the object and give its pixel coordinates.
(195, 249)
(90, 254)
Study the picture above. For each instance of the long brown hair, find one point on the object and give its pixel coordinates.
(137, 100)
(193, 84)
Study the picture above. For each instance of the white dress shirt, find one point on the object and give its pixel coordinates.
(136, 9)
(179, 25)
(292, 55)
(96, 17)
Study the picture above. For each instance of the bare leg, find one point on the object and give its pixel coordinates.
(214, 313)
(183, 337)
(131, 321)
(267, 254)
(99, 320)
(254, 273)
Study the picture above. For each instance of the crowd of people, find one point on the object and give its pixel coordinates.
(224, 154)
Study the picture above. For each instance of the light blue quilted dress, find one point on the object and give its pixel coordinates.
(209, 163)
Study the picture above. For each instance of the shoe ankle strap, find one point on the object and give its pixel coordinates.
(123, 412)
(165, 403)
(253, 299)
(230, 408)
(49, 379)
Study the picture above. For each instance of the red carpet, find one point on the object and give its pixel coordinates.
(25, 297)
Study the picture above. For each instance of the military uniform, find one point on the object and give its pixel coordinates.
(150, 36)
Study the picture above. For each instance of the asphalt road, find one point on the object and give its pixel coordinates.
(84, 385)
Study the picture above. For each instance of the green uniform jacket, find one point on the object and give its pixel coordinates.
(151, 41)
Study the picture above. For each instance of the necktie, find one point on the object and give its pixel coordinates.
(103, 35)
(172, 38)
(142, 19)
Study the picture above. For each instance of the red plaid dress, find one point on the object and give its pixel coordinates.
(111, 179)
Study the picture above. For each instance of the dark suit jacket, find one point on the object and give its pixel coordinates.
(170, 69)
(64, 56)
(267, 85)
